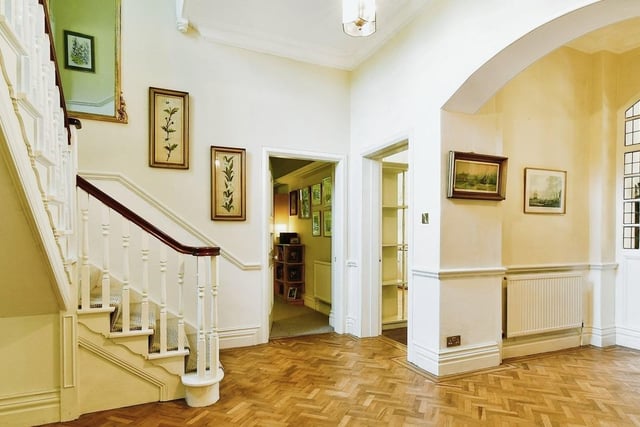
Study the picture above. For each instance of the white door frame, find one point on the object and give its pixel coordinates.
(338, 229)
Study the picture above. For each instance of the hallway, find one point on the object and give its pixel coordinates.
(338, 380)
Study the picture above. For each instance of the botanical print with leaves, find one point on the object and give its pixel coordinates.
(169, 133)
(228, 176)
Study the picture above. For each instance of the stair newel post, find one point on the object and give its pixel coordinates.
(163, 299)
(181, 331)
(126, 309)
(145, 281)
(106, 275)
(213, 331)
(201, 350)
(85, 274)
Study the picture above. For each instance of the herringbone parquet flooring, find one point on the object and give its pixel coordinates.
(337, 380)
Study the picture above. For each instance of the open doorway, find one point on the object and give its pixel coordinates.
(385, 262)
(302, 246)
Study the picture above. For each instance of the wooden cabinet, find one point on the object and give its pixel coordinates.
(288, 273)
(394, 246)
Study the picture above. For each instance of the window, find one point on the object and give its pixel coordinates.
(631, 179)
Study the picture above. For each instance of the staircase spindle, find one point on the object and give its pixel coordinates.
(201, 350)
(126, 309)
(145, 281)
(181, 331)
(163, 299)
(106, 275)
(213, 310)
(85, 275)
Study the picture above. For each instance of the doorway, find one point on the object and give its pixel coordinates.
(387, 259)
(302, 242)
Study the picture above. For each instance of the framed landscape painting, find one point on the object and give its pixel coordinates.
(545, 191)
(476, 176)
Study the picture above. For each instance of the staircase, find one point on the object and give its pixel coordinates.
(138, 319)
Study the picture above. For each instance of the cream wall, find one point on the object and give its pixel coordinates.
(238, 98)
(30, 369)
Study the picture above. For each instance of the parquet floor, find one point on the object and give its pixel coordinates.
(338, 380)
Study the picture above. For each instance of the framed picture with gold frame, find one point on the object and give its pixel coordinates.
(168, 129)
(228, 184)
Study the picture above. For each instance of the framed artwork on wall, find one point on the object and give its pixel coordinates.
(79, 51)
(316, 194)
(316, 225)
(293, 203)
(168, 129)
(545, 191)
(326, 191)
(304, 203)
(476, 176)
(228, 184)
(326, 223)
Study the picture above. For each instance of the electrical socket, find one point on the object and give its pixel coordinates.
(453, 341)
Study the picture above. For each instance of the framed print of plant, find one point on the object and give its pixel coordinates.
(316, 225)
(304, 203)
(326, 191)
(79, 52)
(228, 184)
(168, 129)
(316, 194)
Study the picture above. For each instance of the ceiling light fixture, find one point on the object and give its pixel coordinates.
(359, 17)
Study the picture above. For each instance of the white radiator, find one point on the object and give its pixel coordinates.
(543, 303)
(322, 281)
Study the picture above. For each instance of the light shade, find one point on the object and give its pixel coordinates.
(359, 17)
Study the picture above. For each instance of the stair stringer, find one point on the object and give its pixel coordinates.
(112, 376)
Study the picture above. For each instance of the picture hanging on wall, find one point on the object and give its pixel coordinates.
(316, 194)
(326, 191)
(293, 203)
(79, 51)
(304, 203)
(315, 223)
(326, 223)
(476, 176)
(228, 184)
(544, 191)
(168, 129)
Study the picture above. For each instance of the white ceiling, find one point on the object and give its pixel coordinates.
(311, 30)
(304, 30)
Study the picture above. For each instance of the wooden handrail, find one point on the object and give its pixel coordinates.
(143, 223)
(68, 121)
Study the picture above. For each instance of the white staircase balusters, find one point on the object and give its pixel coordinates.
(126, 300)
(201, 319)
(163, 299)
(181, 331)
(213, 326)
(106, 274)
(85, 268)
(145, 281)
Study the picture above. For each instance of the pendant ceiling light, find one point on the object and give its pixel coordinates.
(359, 17)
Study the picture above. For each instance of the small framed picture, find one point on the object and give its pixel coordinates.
(168, 129)
(544, 191)
(315, 224)
(326, 191)
(316, 194)
(304, 203)
(326, 223)
(477, 176)
(293, 203)
(79, 51)
(293, 293)
(228, 184)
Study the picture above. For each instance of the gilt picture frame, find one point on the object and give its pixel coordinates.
(476, 176)
(168, 128)
(228, 184)
(316, 223)
(304, 203)
(79, 51)
(545, 191)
